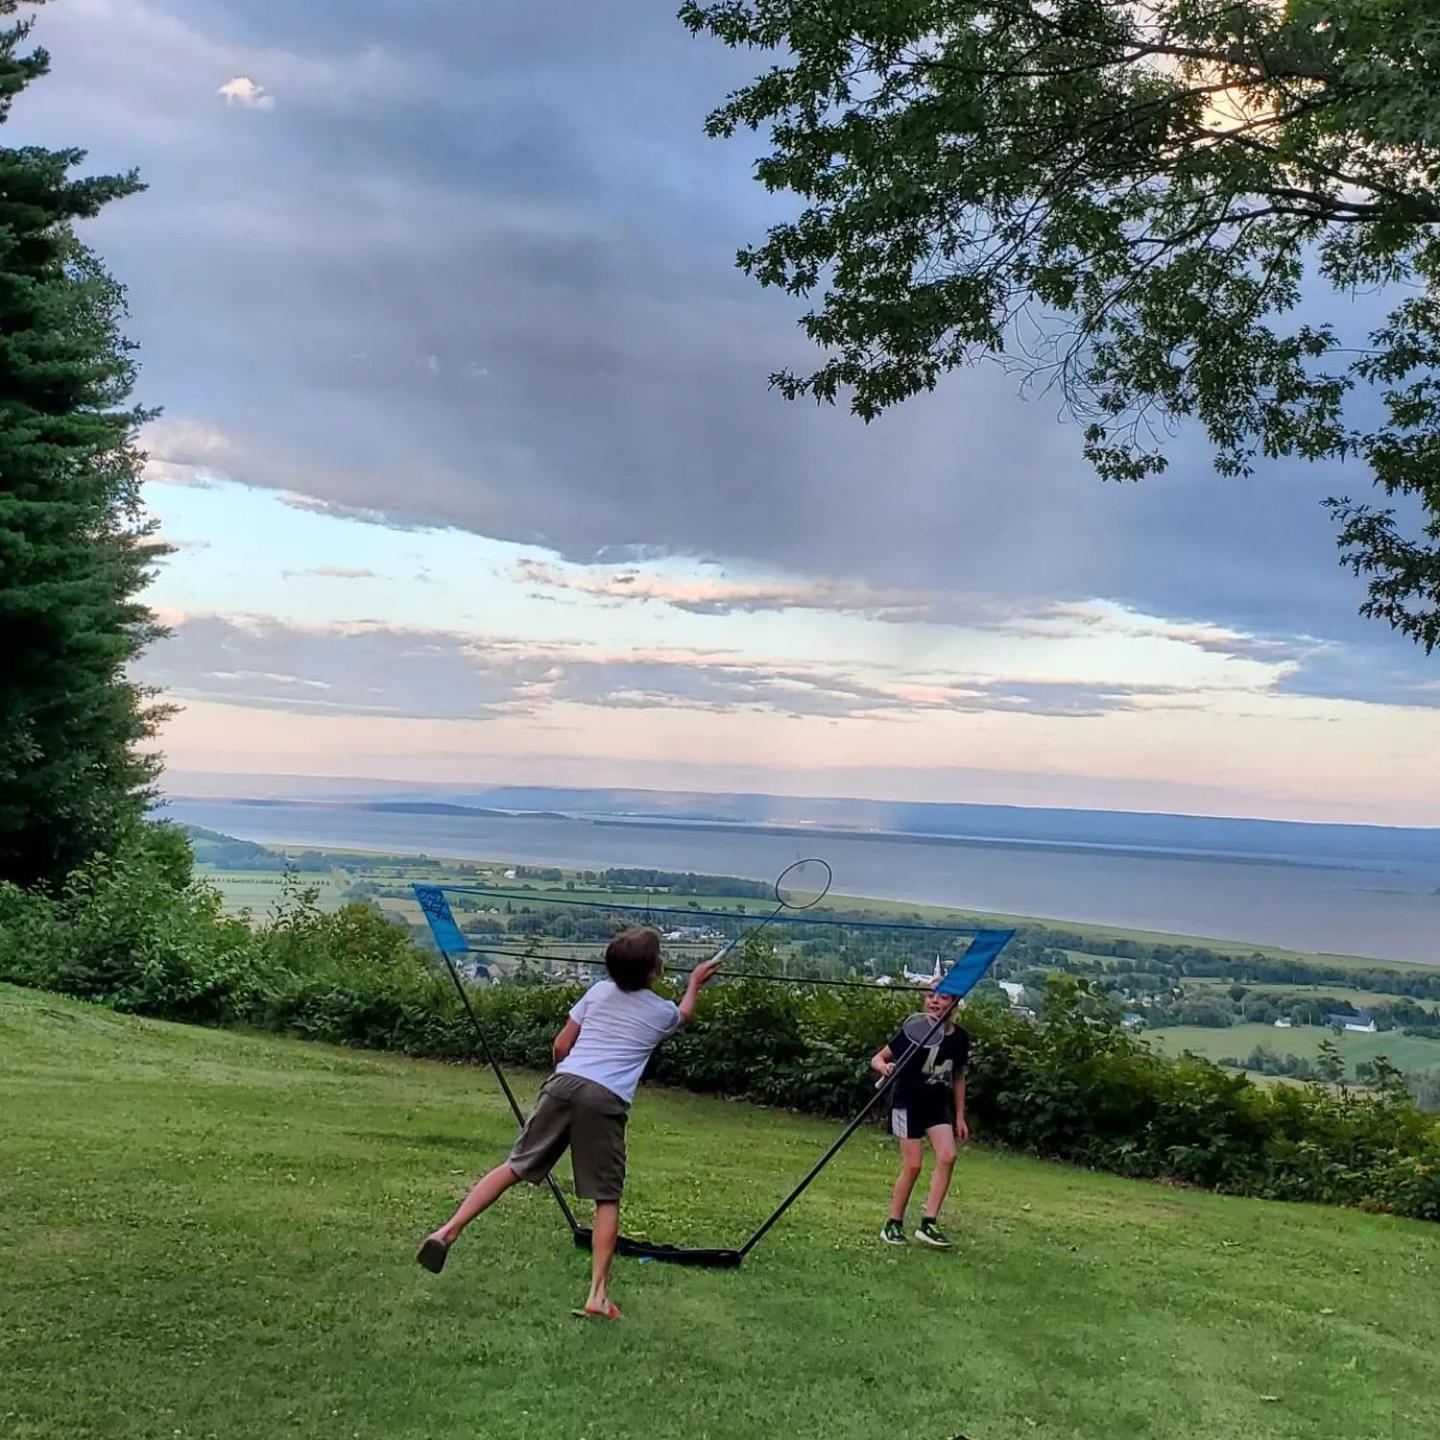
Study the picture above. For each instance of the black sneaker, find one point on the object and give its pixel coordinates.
(893, 1233)
(930, 1233)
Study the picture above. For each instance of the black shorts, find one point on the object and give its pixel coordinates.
(922, 1109)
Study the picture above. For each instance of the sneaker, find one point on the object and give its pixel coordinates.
(930, 1233)
(893, 1233)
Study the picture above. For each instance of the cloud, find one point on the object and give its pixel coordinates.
(185, 452)
(1090, 617)
(719, 596)
(243, 91)
(1348, 673)
(356, 671)
(531, 195)
(372, 669)
(315, 505)
(270, 678)
(334, 572)
(1092, 620)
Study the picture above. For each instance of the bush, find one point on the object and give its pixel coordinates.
(132, 932)
(137, 934)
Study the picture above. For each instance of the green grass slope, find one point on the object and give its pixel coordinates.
(207, 1234)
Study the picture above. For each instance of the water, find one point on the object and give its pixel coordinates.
(1387, 911)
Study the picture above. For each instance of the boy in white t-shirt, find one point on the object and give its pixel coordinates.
(600, 1056)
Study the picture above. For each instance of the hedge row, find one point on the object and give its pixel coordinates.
(136, 934)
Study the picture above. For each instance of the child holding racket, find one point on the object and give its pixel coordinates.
(927, 1057)
(600, 1055)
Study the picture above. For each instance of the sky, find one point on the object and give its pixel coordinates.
(473, 473)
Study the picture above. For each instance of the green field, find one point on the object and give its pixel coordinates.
(205, 1234)
(258, 890)
(1360, 999)
(1409, 1052)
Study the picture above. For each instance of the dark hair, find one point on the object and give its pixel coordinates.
(633, 957)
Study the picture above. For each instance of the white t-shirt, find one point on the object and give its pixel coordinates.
(618, 1031)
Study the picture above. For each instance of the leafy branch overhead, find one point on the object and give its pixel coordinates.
(1125, 199)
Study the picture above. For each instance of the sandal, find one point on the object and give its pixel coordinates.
(432, 1255)
(611, 1312)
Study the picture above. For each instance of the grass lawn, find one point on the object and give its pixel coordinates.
(1409, 1052)
(205, 1234)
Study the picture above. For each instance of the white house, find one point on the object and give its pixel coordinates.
(1014, 991)
(1284, 1023)
(1363, 1023)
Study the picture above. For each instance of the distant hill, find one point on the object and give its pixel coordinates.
(225, 852)
(403, 807)
(1110, 829)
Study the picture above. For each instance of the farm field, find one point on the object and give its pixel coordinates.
(1361, 999)
(258, 891)
(1409, 1052)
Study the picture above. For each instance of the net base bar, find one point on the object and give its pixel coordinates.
(670, 1254)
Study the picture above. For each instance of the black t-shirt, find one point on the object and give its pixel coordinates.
(938, 1063)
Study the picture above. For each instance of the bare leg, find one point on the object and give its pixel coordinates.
(942, 1141)
(483, 1194)
(912, 1157)
(603, 1235)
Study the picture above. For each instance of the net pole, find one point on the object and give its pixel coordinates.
(494, 1065)
(834, 1149)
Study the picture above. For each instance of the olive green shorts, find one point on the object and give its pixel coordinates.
(587, 1119)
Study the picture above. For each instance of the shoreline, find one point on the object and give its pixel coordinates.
(1081, 929)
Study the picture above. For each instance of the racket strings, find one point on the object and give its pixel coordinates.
(803, 884)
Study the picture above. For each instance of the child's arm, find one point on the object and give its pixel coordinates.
(565, 1041)
(698, 977)
(962, 1129)
(882, 1062)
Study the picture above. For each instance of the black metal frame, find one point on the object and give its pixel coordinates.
(670, 1254)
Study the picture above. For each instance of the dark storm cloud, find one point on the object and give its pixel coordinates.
(475, 269)
(384, 671)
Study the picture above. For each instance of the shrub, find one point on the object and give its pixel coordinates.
(130, 931)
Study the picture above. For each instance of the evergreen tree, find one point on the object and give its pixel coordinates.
(75, 550)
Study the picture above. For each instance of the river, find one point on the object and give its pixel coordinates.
(1384, 910)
